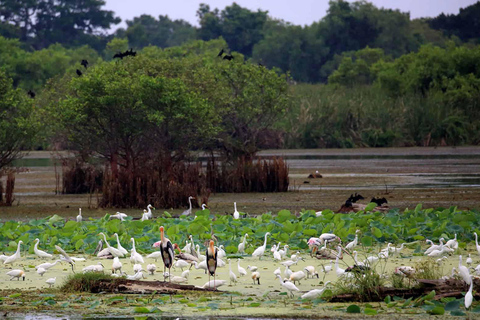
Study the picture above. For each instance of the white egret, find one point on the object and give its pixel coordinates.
(463, 271)
(354, 243)
(201, 265)
(177, 279)
(469, 260)
(241, 270)
(200, 256)
(51, 281)
(241, 245)
(261, 250)
(220, 263)
(221, 252)
(233, 276)
(94, 268)
(41, 271)
(339, 271)
(252, 268)
(14, 257)
(119, 215)
(287, 272)
(469, 295)
(155, 255)
(40, 253)
(288, 285)
(149, 212)
(119, 245)
(189, 210)
(277, 272)
(181, 264)
(137, 267)
(79, 217)
(397, 249)
(214, 284)
(283, 252)
(16, 273)
(137, 276)
(151, 268)
(144, 215)
(434, 247)
(135, 257)
(315, 293)
(452, 243)
(277, 255)
(113, 251)
(476, 243)
(47, 265)
(327, 268)
(116, 265)
(236, 214)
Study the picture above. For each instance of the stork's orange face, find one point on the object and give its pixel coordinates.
(161, 229)
(211, 244)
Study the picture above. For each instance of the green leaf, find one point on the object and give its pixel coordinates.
(388, 299)
(370, 206)
(15, 295)
(78, 244)
(438, 310)
(141, 310)
(353, 308)
(418, 208)
(376, 232)
(370, 311)
(254, 304)
(458, 313)
(430, 296)
(367, 241)
(452, 305)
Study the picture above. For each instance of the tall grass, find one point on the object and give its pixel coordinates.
(329, 116)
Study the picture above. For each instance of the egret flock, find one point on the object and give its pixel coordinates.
(304, 275)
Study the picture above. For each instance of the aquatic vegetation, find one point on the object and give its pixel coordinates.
(375, 229)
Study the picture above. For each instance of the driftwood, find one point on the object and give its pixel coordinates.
(443, 288)
(140, 287)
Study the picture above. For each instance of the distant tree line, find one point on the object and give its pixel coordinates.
(310, 53)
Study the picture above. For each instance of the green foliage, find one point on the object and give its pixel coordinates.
(18, 124)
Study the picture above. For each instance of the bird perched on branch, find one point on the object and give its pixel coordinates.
(31, 94)
(79, 73)
(84, 63)
(121, 55)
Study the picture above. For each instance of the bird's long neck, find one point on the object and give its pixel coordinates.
(36, 245)
(265, 241)
(105, 239)
(190, 202)
(476, 239)
(149, 210)
(235, 205)
(18, 248)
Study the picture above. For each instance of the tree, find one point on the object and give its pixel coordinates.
(17, 124)
(164, 32)
(45, 22)
(240, 27)
(129, 113)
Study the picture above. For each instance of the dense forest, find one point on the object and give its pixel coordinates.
(359, 76)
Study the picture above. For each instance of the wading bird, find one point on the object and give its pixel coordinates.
(79, 217)
(315, 293)
(256, 277)
(47, 265)
(149, 211)
(135, 257)
(233, 277)
(40, 253)
(241, 270)
(189, 210)
(452, 243)
(241, 245)
(236, 214)
(463, 271)
(354, 243)
(51, 281)
(288, 285)
(476, 242)
(151, 268)
(16, 273)
(261, 250)
(113, 251)
(211, 255)
(469, 295)
(119, 245)
(166, 249)
(14, 257)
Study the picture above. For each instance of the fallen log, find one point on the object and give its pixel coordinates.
(140, 287)
(443, 288)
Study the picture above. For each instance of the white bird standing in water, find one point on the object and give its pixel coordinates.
(14, 257)
(151, 268)
(241, 245)
(288, 285)
(469, 295)
(116, 265)
(135, 257)
(79, 217)
(315, 293)
(189, 210)
(233, 277)
(463, 271)
(119, 245)
(51, 281)
(113, 251)
(261, 250)
(469, 260)
(476, 243)
(236, 214)
(40, 253)
(149, 212)
(241, 270)
(354, 243)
